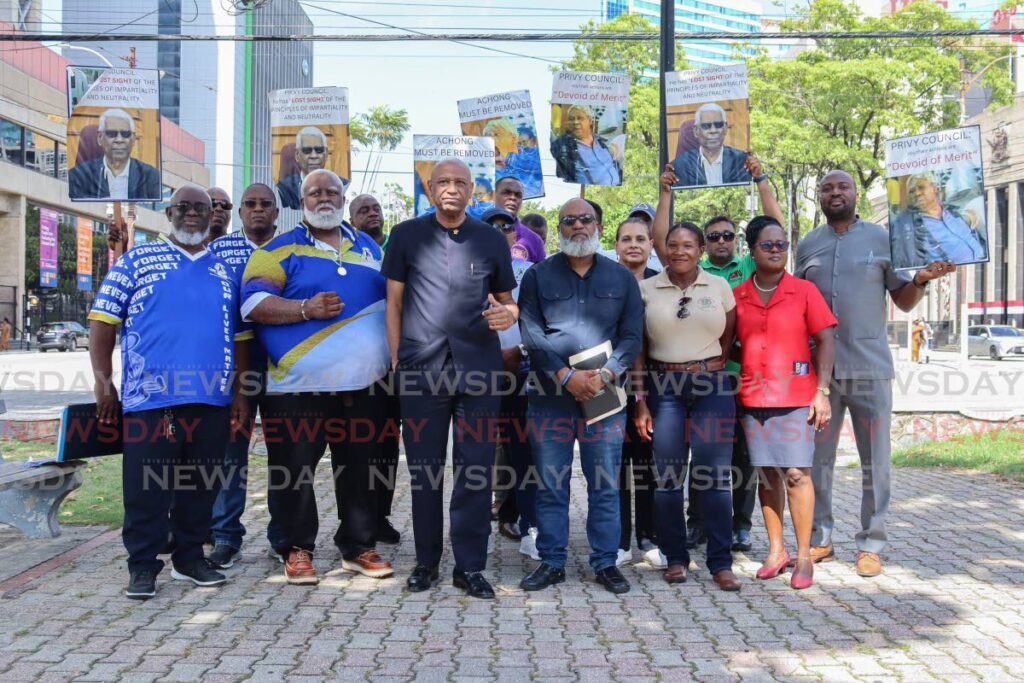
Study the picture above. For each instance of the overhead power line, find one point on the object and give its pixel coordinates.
(509, 37)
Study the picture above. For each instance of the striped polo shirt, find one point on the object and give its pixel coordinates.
(344, 353)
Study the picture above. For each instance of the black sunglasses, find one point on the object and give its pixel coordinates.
(779, 245)
(717, 125)
(716, 236)
(584, 218)
(112, 134)
(184, 207)
(311, 150)
(221, 204)
(683, 303)
(504, 227)
(253, 203)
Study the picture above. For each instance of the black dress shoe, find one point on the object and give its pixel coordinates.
(421, 579)
(543, 576)
(695, 537)
(741, 540)
(387, 533)
(473, 583)
(613, 580)
(509, 530)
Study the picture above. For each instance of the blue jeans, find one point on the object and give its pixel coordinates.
(227, 524)
(553, 432)
(693, 412)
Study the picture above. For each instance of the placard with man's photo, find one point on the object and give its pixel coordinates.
(507, 118)
(589, 112)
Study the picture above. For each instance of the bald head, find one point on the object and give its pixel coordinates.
(451, 185)
(837, 195)
(189, 214)
(365, 214)
(578, 229)
(220, 214)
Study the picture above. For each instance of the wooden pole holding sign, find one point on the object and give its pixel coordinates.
(583, 191)
(668, 63)
(122, 227)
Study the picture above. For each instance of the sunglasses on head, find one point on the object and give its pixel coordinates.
(184, 207)
(584, 218)
(112, 134)
(221, 204)
(253, 203)
(716, 236)
(319, 149)
(717, 125)
(683, 312)
(777, 245)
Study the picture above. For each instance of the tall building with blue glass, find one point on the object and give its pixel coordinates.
(700, 16)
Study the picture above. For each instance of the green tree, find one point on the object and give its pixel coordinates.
(380, 130)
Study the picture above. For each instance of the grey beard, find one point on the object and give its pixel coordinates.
(575, 249)
(190, 239)
(324, 220)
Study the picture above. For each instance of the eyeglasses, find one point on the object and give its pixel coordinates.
(584, 218)
(683, 303)
(221, 204)
(716, 236)
(184, 207)
(717, 125)
(253, 203)
(319, 149)
(776, 245)
(112, 134)
(505, 227)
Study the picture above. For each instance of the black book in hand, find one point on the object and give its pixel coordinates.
(609, 400)
(83, 436)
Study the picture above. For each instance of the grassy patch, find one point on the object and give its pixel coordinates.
(998, 452)
(97, 502)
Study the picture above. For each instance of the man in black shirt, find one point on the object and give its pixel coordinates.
(449, 293)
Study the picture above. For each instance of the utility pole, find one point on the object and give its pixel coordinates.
(668, 63)
(119, 221)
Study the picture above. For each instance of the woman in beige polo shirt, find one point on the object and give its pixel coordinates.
(689, 404)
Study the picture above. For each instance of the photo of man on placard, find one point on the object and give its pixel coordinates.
(104, 167)
(703, 158)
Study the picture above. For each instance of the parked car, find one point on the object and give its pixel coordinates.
(66, 336)
(994, 341)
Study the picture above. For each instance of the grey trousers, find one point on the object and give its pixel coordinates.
(870, 405)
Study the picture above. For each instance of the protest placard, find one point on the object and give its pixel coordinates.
(707, 116)
(476, 151)
(936, 193)
(588, 126)
(508, 119)
(309, 130)
(113, 134)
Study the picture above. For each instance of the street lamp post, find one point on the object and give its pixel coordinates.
(69, 46)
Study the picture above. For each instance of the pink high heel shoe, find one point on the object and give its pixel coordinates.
(771, 571)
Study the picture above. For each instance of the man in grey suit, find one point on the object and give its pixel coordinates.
(712, 162)
(115, 175)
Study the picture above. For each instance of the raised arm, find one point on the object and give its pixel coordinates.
(769, 204)
(663, 214)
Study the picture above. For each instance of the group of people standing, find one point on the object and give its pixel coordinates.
(337, 334)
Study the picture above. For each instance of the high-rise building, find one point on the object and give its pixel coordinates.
(700, 16)
(24, 15)
(215, 90)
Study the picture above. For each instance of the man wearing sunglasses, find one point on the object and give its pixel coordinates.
(115, 175)
(220, 212)
(711, 162)
(311, 154)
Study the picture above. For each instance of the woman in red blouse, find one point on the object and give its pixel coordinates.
(783, 390)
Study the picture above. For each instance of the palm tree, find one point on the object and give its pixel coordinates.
(380, 130)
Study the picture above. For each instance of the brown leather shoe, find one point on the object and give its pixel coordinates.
(298, 568)
(676, 573)
(868, 564)
(819, 553)
(369, 564)
(726, 580)
(510, 530)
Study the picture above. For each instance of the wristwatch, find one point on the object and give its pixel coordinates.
(763, 176)
(825, 390)
(523, 352)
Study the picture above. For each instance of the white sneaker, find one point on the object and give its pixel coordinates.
(656, 558)
(625, 557)
(528, 547)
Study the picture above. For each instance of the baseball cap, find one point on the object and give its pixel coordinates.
(643, 208)
(491, 214)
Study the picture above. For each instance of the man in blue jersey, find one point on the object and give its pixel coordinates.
(449, 281)
(258, 212)
(317, 296)
(176, 388)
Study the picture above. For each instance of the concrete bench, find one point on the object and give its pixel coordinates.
(30, 497)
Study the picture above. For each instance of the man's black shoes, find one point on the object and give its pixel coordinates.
(543, 576)
(613, 580)
(695, 537)
(387, 533)
(474, 583)
(421, 579)
(199, 572)
(141, 585)
(741, 540)
(223, 556)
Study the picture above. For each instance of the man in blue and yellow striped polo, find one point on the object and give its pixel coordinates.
(317, 296)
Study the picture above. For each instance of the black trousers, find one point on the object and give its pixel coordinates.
(638, 461)
(428, 408)
(171, 472)
(518, 504)
(385, 486)
(744, 489)
(298, 428)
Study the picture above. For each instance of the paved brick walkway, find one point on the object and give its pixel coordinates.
(950, 606)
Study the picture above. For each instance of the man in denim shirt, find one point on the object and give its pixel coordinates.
(587, 299)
